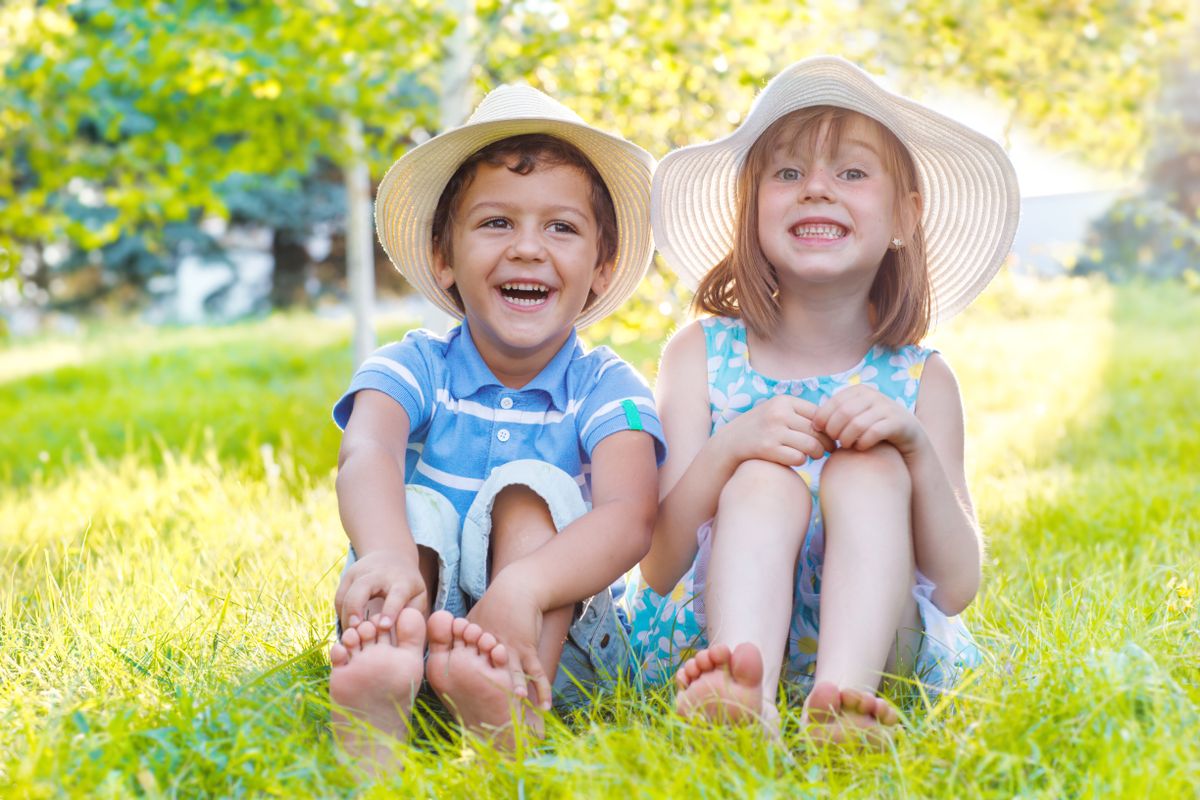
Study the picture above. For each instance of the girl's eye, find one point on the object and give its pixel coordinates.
(494, 222)
(562, 227)
(853, 174)
(788, 174)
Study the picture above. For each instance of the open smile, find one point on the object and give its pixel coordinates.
(525, 293)
(818, 230)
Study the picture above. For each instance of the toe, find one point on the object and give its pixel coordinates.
(439, 628)
(409, 628)
(746, 665)
(720, 655)
(471, 634)
(350, 639)
(368, 632)
(823, 702)
(339, 656)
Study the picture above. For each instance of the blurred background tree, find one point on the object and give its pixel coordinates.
(125, 125)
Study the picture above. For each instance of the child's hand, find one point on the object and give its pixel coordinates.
(779, 430)
(510, 612)
(384, 573)
(861, 417)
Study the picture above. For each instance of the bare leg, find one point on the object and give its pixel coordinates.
(375, 677)
(521, 523)
(762, 516)
(869, 620)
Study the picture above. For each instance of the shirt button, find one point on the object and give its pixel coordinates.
(506, 402)
(503, 434)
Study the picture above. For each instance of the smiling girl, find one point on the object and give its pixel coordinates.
(815, 524)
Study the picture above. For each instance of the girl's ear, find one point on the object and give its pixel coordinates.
(909, 216)
(442, 270)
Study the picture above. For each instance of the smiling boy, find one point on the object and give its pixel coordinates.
(500, 476)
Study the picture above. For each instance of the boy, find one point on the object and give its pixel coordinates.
(499, 476)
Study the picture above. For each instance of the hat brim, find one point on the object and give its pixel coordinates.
(971, 202)
(409, 193)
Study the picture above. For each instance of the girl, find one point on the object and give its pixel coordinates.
(814, 518)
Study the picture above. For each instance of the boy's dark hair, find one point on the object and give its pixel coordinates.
(523, 154)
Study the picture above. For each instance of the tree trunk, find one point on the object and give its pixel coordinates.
(360, 251)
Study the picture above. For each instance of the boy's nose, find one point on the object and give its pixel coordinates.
(527, 245)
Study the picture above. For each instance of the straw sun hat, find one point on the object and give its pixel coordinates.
(408, 195)
(968, 185)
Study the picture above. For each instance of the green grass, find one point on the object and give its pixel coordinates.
(170, 534)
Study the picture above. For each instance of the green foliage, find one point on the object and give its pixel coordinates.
(122, 116)
(168, 601)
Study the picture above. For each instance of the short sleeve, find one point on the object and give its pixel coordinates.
(619, 400)
(401, 370)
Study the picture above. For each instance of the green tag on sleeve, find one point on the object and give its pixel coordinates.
(632, 417)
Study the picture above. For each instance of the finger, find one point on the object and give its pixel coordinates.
(804, 408)
(397, 598)
(356, 600)
(856, 426)
(876, 433)
(537, 676)
(805, 447)
(516, 673)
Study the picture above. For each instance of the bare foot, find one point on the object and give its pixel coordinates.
(840, 715)
(725, 686)
(375, 677)
(468, 669)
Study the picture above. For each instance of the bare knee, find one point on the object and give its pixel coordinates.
(521, 523)
(856, 471)
(757, 482)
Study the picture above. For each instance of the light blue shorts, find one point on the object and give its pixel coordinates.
(597, 651)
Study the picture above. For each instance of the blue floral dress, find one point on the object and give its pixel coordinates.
(666, 630)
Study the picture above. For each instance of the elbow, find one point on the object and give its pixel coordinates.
(953, 597)
(643, 530)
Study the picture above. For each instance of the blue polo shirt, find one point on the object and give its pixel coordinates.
(464, 422)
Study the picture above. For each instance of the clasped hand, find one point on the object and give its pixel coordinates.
(779, 430)
(860, 417)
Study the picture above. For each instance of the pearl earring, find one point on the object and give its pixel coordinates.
(897, 244)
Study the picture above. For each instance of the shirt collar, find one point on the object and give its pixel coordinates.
(471, 373)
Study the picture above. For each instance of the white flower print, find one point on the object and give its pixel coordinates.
(911, 361)
(728, 404)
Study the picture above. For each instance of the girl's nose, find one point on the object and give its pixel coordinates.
(817, 186)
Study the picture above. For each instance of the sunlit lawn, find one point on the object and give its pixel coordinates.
(170, 534)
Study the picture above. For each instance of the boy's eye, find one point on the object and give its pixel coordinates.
(853, 174)
(788, 174)
(562, 227)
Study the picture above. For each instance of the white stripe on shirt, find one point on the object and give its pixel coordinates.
(446, 479)
(399, 369)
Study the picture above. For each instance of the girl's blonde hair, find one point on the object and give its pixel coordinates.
(744, 283)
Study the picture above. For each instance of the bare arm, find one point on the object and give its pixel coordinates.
(946, 537)
(370, 489)
(688, 497)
